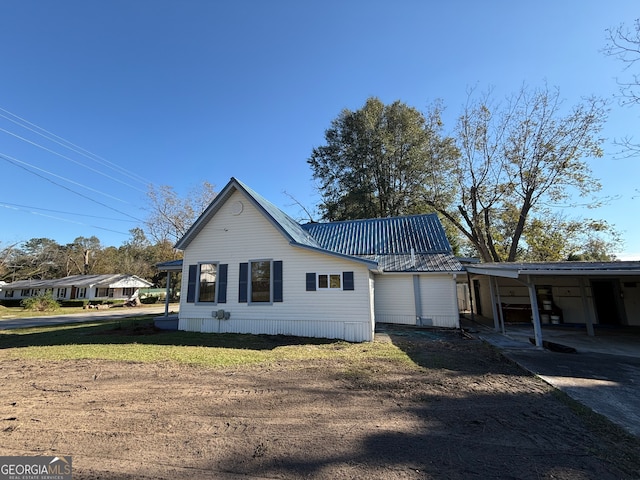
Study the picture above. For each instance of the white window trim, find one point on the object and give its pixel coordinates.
(328, 287)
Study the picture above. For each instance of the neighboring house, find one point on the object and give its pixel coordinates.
(80, 287)
(250, 268)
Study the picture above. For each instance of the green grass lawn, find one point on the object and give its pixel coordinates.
(19, 312)
(135, 340)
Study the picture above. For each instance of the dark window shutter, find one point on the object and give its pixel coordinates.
(311, 282)
(191, 284)
(277, 281)
(243, 283)
(347, 281)
(222, 282)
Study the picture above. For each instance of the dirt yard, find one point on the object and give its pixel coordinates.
(466, 413)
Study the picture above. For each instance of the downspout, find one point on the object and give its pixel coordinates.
(417, 299)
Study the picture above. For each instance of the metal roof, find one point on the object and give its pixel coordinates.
(108, 280)
(399, 244)
(382, 236)
(411, 243)
(420, 262)
(514, 270)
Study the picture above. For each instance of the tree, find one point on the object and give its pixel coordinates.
(170, 216)
(82, 255)
(377, 160)
(515, 158)
(624, 44)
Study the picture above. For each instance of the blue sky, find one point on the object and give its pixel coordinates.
(179, 92)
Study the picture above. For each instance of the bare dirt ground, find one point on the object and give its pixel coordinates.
(466, 413)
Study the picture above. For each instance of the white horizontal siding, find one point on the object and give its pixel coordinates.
(234, 239)
(439, 301)
(394, 299)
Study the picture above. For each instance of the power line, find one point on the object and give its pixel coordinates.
(17, 163)
(14, 161)
(70, 145)
(65, 219)
(20, 207)
(68, 158)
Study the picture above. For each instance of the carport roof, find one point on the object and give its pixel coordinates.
(515, 270)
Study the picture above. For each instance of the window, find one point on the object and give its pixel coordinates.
(81, 293)
(329, 281)
(324, 281)
(25, 292)
(207, 285)
(127, 292)
(101, 292)
(61, 293)
(207, 282)
(8, 294)
(260, 282)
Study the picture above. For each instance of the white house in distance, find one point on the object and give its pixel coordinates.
(250, 268)
(79, 287)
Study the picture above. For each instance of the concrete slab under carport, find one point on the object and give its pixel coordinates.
(603, 374)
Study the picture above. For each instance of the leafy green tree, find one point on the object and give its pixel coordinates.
(514, 159)
(377, 160)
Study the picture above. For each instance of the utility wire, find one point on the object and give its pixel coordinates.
(70, 145)
(15, 161)
(18, 163)
(20, 207)
(70, 159)
(64, 219)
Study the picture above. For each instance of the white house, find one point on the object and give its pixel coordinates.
(250, 268)
(79, 287)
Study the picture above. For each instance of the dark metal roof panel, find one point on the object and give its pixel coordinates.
(421, 262)
(382, 236)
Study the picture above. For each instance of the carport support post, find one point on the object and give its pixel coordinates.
(500, 312)
(494, 307)
(537, 328)
(586, 311)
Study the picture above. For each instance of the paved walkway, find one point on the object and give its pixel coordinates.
(84, 316)
(604, 376)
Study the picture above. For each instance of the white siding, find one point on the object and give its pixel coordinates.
(439, 301)
(234, 239)
(395, 300)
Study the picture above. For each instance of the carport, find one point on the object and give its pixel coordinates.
(580, 294)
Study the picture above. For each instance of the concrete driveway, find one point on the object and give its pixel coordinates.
(84, 316)
(603, 373)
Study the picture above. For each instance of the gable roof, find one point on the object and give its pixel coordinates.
(283, 222)
(396, 244)
(106, 280)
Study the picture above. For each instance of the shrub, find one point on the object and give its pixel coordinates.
(40, 303)
(149, 299)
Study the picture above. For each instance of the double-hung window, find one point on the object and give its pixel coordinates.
(207, 283)
(260, 282)
(333, 280)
